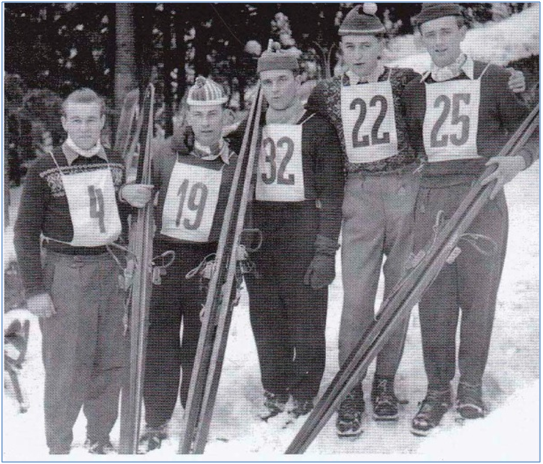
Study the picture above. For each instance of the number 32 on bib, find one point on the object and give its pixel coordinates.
(369, 122)
(280, 168)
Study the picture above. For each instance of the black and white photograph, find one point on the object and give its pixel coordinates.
(271, 231)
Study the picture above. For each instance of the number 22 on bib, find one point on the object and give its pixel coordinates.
(451, 120)
(280, 168)
(191, 201)
(369, 122)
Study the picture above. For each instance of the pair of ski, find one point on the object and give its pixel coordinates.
(407, 294)
(217, 312)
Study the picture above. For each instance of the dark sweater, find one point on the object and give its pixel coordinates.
(44, 210)
(323, 172)
(500, 113)
(325, 99)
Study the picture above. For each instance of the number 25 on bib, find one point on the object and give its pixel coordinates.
(369, 122)
(451, 120)
(280, 168)
(191, 201)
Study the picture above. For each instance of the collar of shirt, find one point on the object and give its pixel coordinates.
(72, 151)
(462, 64)
(206, 153)
(354, 79)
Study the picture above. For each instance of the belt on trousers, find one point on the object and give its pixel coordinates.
(409, 168)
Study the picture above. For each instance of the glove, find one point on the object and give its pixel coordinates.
(322, 270)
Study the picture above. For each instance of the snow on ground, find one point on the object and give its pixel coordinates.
(509, 432)
(499, 43)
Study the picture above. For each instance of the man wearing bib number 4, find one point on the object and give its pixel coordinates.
(297, 207)
(193, 186)
(460, 114)
(69, 199)
(365, 104)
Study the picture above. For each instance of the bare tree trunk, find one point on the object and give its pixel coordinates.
(125, 53)
(169, 65)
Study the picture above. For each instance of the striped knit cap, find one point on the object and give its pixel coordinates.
(362, 20)
(206, 92)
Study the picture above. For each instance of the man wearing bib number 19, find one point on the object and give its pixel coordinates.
(69, 198)
(297, 207)
(193, 186)
(460, 114)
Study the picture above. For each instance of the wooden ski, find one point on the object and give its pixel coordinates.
(219, 303)
(139, 259)
(406, 294)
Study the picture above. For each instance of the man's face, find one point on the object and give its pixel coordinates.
(442, 38)
(83, 123)
(207, 123)
(361, 53)
(280, 87)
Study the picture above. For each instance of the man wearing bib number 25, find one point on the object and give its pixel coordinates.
(297, 207)
(193, 186)
(69, 198)
(460, 114)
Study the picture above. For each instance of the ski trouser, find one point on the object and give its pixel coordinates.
(470, 283)
(377, 222)
(176, 300)
(85, 350)
(288, 317)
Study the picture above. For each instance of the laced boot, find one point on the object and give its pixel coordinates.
(469, 401)
(432, 410)
(385, 403)
(349, 418)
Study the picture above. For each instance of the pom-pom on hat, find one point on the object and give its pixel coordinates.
(362, 20)
(274, 58)
(431, 11)
(206, 92)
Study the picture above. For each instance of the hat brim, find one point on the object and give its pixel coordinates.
(192, 102)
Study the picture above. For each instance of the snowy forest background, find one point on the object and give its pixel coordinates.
(51, 49)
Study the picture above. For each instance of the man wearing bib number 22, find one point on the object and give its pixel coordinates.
(460, 114)
(297, 207)
(193, 185)
(69, 198)
(366, 105)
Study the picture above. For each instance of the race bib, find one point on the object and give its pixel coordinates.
(191, 201)
(280, 174)
(452, 120)
(93, 208)
(369, 122)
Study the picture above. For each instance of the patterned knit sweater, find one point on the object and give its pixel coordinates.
(326, 101)
(44, 210)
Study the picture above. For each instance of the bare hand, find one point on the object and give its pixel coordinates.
(41, 305)
(137, 195)
(507, 168)
(517, 81)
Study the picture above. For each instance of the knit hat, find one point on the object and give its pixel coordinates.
(274, 58)
(362, 20)
(431, 11)
(206, 92)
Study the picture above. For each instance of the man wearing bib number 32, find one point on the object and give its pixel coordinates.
(297, 207)
(365, 104)
(193, 185)
(460, 114)
(69, 198)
